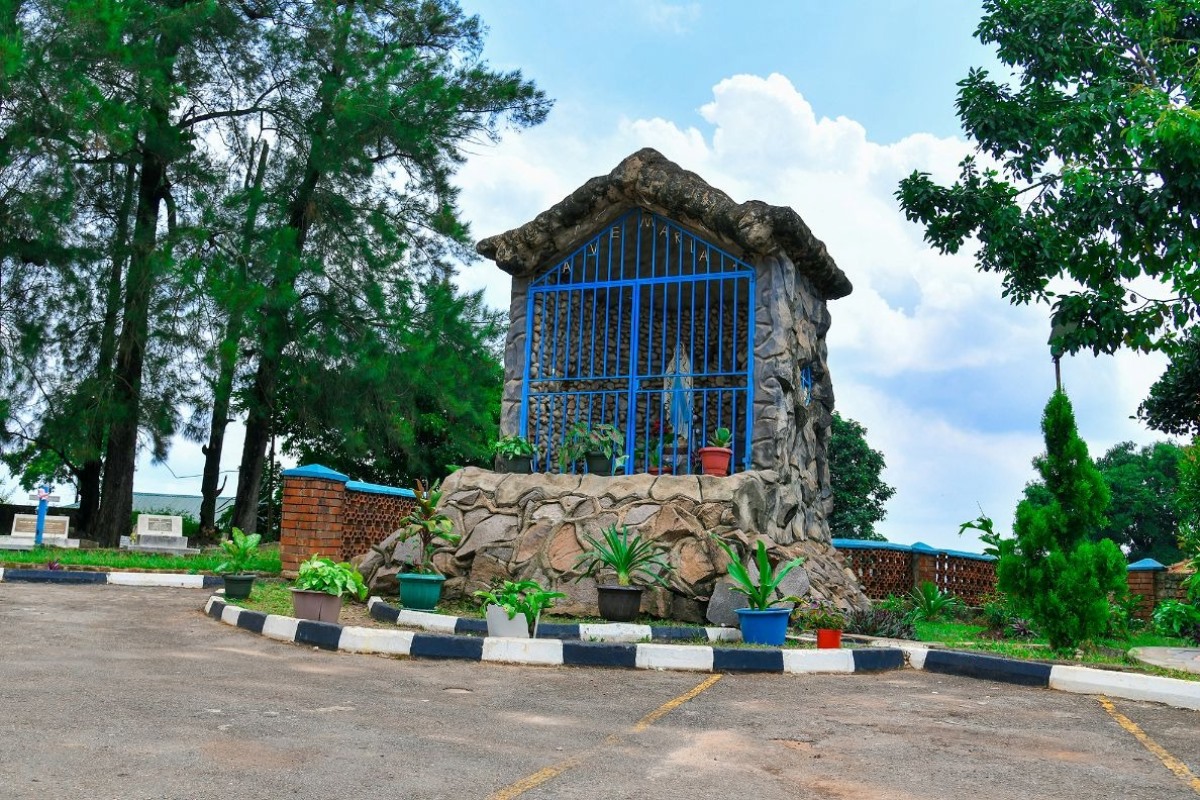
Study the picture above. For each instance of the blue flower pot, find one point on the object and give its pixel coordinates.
(764, 627)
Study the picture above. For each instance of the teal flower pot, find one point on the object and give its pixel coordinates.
(764, 627)
(420, 591)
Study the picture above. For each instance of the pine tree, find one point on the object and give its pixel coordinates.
(1052, 569)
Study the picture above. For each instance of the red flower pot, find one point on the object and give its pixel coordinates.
(828, 639)
(715, 460)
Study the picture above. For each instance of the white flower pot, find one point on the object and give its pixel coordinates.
(500, 625)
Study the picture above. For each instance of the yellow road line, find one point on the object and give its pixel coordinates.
(547, 773)
(1169, 761)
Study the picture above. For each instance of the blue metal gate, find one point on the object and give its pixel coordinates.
(646, 327)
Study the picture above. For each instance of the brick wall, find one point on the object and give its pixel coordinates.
(884, 568)
(326, 513)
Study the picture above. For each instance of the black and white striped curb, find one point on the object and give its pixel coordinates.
(170, 580)
(1065, 678)
(587, 632)
(701, 658)
(553, 651)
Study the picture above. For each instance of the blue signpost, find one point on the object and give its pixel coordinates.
(44, 499)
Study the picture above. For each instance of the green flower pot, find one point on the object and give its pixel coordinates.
(420, 591)
(237, 587)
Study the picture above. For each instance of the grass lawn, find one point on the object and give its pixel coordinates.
(964, 636)
(267, 561)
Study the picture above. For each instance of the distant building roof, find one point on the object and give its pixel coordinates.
(180, 505)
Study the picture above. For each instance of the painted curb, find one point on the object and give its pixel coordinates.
(169, 580)
(1127, 686)
(449, 639)
(990, 668)
(575, 652)
(584, 631)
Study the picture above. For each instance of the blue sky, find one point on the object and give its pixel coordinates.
(822, 107)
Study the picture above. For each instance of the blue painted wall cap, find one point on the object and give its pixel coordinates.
(1145, 564)
(378, 488)
(924, 548)
(315, 471)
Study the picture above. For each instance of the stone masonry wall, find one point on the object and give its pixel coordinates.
(533, 526)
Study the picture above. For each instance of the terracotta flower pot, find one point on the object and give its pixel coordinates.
(715, 460)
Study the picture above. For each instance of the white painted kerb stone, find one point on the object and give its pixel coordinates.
(675, 656)
(230, 614)
(1128, 686)
(523, 651)
(151, 579)
(799, 662)
(614, 632)
(281, 628)
(430, 622)
(376, 640)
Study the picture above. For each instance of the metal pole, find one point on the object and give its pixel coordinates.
(43, 506)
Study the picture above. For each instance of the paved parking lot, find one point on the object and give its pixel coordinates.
(110, 692)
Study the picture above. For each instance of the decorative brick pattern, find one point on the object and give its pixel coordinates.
(369, 518)
(881, 572)
(967, 578)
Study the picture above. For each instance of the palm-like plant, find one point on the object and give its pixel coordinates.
(929, 603)
(760, 594)
(428, 524)
(629, 556)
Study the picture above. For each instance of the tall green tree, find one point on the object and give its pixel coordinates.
(404, 402)
(1087, 166)
(1143, 482)
(859, 491)
(1054, 568)
(380, 99)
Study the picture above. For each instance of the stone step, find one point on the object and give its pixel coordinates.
(27, 542)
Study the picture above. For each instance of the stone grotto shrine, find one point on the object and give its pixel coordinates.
(651, 301)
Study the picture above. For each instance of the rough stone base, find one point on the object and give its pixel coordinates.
(532, 526)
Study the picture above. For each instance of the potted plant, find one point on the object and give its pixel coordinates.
(513, 609)
(421, 588)
(715, 458)
(761, 622)
(630, 558)
(655, 466)
(602, 447)
(239, 550)
(825, 618)
(320, 585)
(513, 454)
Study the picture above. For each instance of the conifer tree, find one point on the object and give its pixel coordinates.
(1052, 569)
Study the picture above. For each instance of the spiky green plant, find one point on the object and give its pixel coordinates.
(929, 603)
(760, 594)
(629, 556)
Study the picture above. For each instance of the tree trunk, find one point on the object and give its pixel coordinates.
(227, 367)
(92, 468)
(254, 448)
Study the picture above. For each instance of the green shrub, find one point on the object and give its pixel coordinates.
(898, 603)
(1051, 570)
(881, 622)
(322, 574)
(1175, 618)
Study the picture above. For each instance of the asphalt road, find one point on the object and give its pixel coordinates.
(110, 692)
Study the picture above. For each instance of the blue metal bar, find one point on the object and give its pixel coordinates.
(751, 330)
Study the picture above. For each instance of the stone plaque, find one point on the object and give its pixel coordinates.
(26, 525)
(161, 525)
